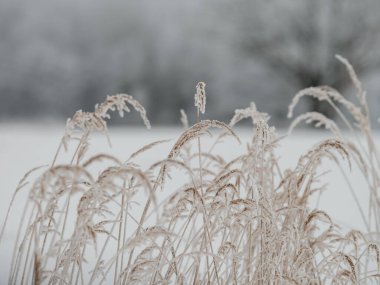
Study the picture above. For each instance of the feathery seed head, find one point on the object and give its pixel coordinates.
(200, 97)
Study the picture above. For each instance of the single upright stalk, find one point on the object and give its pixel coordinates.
(199, 156)
(200, 103)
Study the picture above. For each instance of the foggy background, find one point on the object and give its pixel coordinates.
(60, 56)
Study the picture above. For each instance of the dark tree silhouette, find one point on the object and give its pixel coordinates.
(297, 40)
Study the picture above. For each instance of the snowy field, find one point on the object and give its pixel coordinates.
(23, 147)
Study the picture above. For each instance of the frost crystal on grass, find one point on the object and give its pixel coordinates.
(200, 97)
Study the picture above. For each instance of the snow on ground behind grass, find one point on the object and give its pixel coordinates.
(23, 147)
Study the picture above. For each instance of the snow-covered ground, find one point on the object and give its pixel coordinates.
(23, 147)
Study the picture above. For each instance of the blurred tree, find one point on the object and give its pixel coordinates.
(59, 56)
(297, 39)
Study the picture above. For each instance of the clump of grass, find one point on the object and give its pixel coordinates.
(231, 221)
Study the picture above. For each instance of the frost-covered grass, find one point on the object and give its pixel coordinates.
(216, 204)
(42, 144)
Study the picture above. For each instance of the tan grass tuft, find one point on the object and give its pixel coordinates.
(243, 220)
